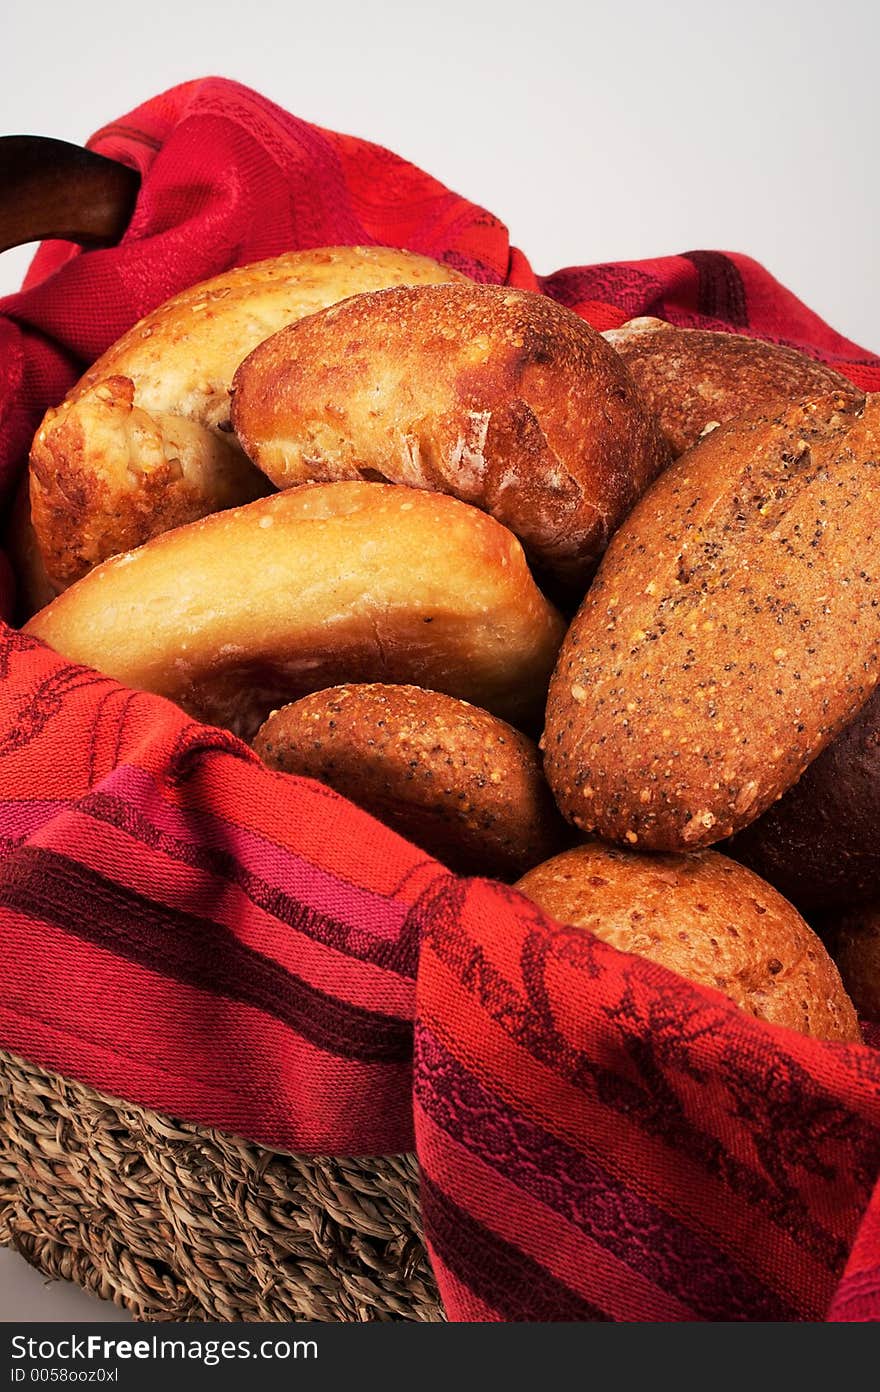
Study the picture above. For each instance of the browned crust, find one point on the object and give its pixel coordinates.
(105, 477)
(708, 919)
(820, 844)
(500, 397)
(455, 780)
(693, 379)
(143, 442)
(34, 589)
(732, 631)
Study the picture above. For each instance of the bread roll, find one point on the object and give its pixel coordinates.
(854, 942)
(733, 630)
(34, 589)
(500, 397)
(247, 609)
(820, 844)
(142, 443)
(694, 380)
(708, 919)
(463, 785)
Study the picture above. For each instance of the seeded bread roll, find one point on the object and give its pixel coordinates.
(854, 943)
(463, 785)
(694, 380)
(820, 844)
(708, 919)
(143, 442)
(240, 612)
(500, 397)
(732, 631)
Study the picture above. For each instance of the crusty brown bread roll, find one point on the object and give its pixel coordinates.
(143, 442)
(820, 844)
(34, 589)
(462, 784)
(242, 611)
(500, 397)
(732, 631)
(693, 379)
(853, 940)
(708, 919)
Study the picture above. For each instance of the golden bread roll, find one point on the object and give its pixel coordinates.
(854, 943)
(732, 631)
(500, 397)
(710, 920)
(143, 442)
(693, 379)
(457, 781)
(242, 611)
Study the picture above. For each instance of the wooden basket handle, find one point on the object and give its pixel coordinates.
(49, 188)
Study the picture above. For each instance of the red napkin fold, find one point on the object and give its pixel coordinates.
(598, 1139)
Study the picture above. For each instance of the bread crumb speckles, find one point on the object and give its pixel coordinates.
(696, 380)
(742, 656)
(449, 776)
(687, 913)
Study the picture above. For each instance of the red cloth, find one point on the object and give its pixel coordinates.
(182, 927)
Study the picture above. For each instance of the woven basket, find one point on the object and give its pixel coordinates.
(180, 1222)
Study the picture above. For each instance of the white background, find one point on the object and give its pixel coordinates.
(596, 131)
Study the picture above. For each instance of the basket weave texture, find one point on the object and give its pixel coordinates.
(179, 1222)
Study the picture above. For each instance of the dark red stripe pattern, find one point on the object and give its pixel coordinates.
(516, 1287)
(193, 950)
(725, 1166)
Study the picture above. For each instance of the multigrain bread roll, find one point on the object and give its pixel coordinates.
(732, 631)
(245, 610)
(708, 919)
(463, 785)
(820, 844)
(693, 379)
(500, 397)
(143, 442)
(853, 940)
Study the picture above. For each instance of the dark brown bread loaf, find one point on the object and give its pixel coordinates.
(820, 844)
(854, 943)
(707, 918)
(693, 379)
(731, 633)
(461, 784)
(500, 397)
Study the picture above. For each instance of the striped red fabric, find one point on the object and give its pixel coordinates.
(599, 1140)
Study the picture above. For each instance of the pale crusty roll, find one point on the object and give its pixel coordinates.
(245, 610)
(708, 919)
(501, 397)
(143, 442)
